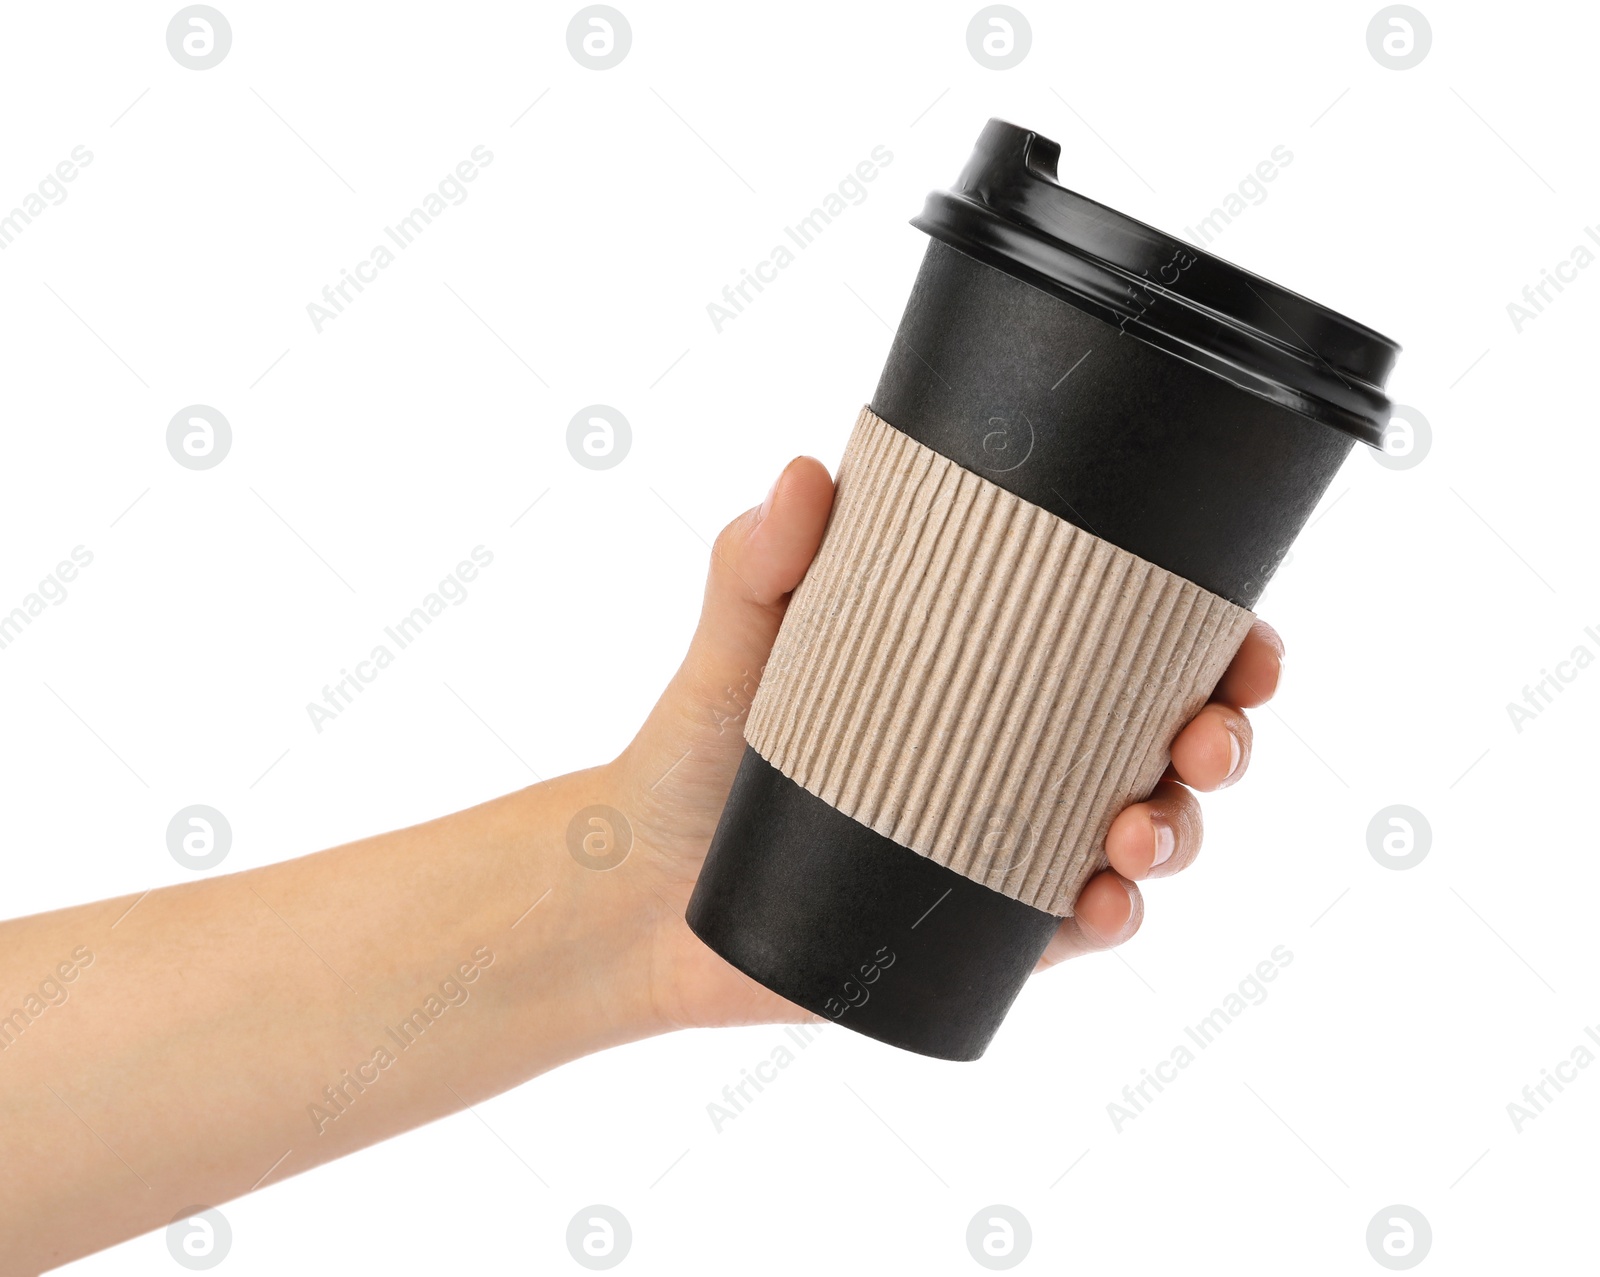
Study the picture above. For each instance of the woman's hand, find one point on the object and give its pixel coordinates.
(322, 1004)
(671, 782)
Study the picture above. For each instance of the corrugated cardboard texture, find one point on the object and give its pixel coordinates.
(978, 680)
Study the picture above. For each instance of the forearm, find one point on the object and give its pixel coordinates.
(299, 1012)
(184, 1047)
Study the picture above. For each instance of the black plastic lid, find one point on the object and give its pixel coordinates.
(1008, 211)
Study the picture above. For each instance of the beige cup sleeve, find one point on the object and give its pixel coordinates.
(977, 679)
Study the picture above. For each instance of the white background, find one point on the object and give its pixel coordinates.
(368, 459)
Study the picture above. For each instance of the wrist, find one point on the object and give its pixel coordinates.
(586, 933)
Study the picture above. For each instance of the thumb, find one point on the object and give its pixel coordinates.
(757, 560)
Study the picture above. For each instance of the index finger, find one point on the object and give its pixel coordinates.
(1253, 676)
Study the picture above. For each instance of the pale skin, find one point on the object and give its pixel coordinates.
(185, 1061)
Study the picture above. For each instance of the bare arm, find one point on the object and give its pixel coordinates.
(187, 1046)
(231, 1031)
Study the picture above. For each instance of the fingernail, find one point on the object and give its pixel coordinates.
(1235, 757)
(766, 502)
(1166, 841)
(1131, 921)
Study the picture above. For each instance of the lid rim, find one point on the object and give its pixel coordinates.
(1010, 213)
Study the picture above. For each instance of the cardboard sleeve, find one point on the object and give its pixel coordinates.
(977, 679)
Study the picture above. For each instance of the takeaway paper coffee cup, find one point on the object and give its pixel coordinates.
(1091, 446)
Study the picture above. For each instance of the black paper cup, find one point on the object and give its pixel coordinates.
(1160, 399)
